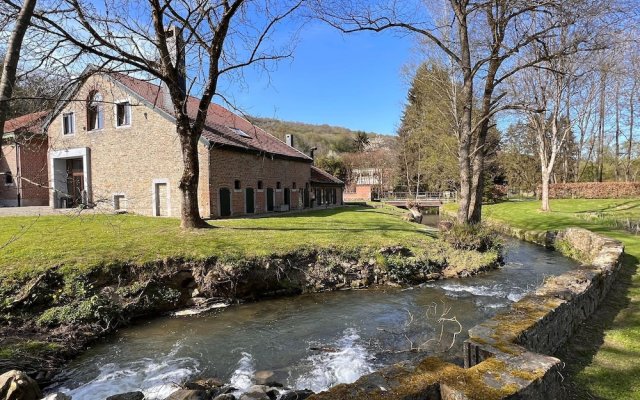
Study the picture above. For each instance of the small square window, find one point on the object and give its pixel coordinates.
(278, 185)
(8, 178)
(259, 184)
(119, 202)
(123, 114)
(293, 185)
(236, 184)
(68, 124)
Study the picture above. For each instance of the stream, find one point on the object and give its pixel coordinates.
(310, 341)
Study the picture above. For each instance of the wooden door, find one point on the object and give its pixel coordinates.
(250, 201)
(225, 202)
(287, 196)
(269, 199)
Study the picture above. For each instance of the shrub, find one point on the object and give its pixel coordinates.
(477, 237)
(95, 309)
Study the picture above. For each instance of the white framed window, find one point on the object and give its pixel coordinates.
(95, 112)
(123, 114)
(68, 123)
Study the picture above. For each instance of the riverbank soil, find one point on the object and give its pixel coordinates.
(66, 280)
(603, 358)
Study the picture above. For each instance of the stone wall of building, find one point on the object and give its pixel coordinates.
(361, 193)
(8, 192)
(253, 171)
(125, 161)
(510, 355)
(34, 173)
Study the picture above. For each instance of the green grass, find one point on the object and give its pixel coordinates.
(30, 245)
(604, 357)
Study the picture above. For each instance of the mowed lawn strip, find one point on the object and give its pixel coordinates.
(614, 371)
(30, 245)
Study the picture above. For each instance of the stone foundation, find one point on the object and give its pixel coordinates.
(510, 355)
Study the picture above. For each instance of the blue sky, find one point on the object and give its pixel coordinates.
(350, 80)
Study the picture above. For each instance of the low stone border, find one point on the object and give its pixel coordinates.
(509, 356)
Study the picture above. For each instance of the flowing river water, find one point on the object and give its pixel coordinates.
(311, 341)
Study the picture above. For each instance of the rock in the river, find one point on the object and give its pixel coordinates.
(16, 385)
(259, 392)
(127, 396)
(296, 395)
(57, 396)
(204, 384)
(185, 394)
(262, 377)
(227, 396)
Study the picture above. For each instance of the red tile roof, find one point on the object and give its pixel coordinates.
(323, 177)
(223, 127)
(28, 123)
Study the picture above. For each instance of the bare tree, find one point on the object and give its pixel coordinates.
(543, 91)
(481, 41)
(187, 45)
(12, 57)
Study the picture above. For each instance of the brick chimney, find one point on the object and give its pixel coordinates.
(175, 44)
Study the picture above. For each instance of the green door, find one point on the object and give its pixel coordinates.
(225, 202)
(250, 201)
(287, 196)
(269, 199)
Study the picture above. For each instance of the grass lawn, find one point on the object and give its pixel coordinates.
(29, 245)
(604, 357)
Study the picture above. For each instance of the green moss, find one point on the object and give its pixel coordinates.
(32, 348)
(529, 376)
(564, 247)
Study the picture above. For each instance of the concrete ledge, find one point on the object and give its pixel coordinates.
(510, 355)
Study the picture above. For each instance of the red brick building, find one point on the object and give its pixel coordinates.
(113, 144)
(23, 165)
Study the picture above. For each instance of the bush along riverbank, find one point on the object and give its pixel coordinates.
(51, 317)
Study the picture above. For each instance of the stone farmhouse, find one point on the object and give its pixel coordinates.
(23, 165)
(113, 144)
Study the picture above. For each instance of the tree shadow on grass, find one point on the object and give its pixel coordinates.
(581, 349)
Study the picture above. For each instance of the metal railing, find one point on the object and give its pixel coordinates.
(444, 197)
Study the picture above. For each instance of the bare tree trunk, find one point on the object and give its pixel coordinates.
(627, 172)
(617, 138)
(10, 66)
(546, 207)
(600, 154)
(189, 211)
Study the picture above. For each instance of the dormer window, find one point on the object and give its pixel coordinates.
(123, 114)
(240, 132)
(95, 112)
(68, 124)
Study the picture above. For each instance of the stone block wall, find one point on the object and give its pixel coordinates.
(510, 355)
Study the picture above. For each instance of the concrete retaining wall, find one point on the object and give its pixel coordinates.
(510, 355)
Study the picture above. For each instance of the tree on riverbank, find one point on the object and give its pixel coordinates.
(480, 41)
(188, 46)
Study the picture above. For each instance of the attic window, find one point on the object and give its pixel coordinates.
(123, 114)
(240, 132)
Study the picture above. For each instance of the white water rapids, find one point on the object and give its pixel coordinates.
(158, 378)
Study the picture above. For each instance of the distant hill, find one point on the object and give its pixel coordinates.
(325, 137)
